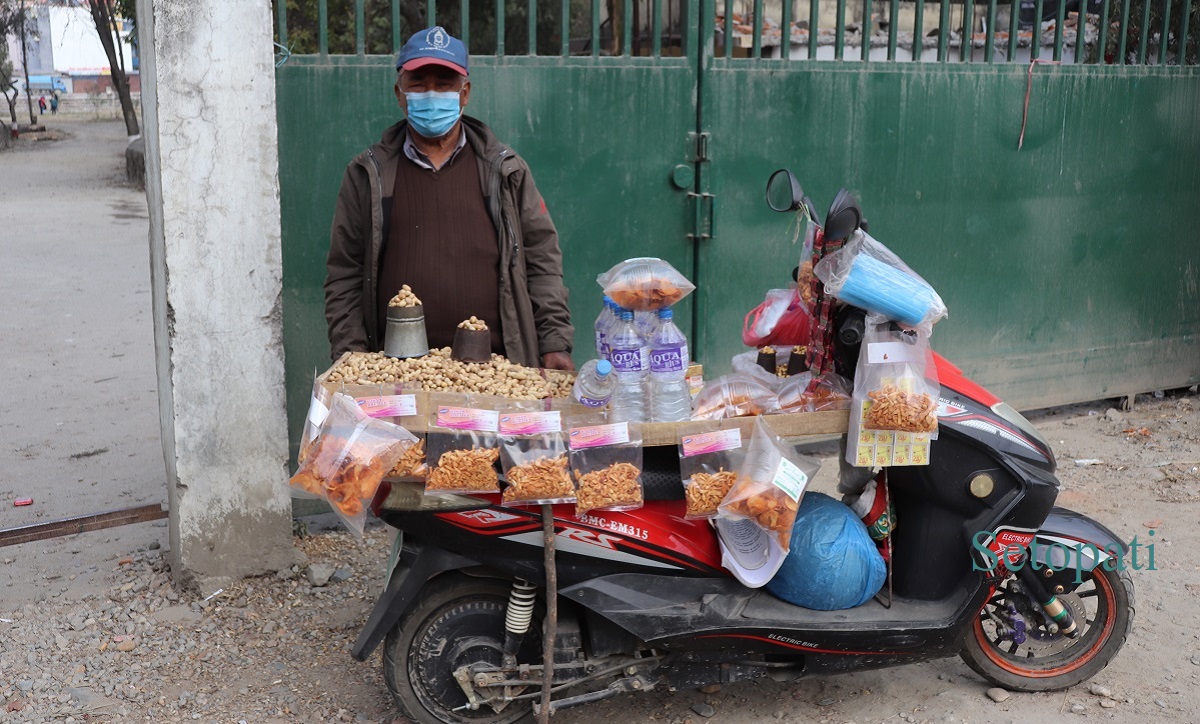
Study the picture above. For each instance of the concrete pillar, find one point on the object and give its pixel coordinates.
(208, 83)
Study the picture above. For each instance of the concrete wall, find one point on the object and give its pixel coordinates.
(213, 192)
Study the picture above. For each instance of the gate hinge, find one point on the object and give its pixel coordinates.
(699, 145)
(705, 203)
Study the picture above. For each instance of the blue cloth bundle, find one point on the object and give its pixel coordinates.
(879, 287)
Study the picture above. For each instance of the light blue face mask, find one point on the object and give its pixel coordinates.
(433, 114)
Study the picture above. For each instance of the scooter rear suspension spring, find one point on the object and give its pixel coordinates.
(520, 607)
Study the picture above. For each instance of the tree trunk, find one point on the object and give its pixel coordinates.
(103, 17)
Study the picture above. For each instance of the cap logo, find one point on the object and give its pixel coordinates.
(437, 38)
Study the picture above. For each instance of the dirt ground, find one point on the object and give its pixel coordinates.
(92, 630)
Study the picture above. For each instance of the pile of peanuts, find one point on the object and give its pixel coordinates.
(405, 298)
(473, 324)
(436, 371)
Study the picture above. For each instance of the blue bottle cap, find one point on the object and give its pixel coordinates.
(603, 367)
(665, 313)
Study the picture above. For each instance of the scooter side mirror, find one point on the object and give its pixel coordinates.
(844, 216)
(784, 192)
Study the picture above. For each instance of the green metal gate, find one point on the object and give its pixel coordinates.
(1069, 266)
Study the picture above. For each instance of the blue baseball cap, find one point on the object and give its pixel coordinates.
(433, 46)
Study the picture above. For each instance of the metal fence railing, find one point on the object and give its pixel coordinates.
(1099, 32)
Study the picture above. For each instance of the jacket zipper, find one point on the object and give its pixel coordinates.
(377, 194)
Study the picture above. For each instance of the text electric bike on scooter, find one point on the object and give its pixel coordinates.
(643, 601)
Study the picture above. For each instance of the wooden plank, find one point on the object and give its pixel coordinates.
(80, 524)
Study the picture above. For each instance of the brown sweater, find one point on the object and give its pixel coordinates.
(442, 243)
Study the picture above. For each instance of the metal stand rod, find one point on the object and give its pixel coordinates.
(550, 630)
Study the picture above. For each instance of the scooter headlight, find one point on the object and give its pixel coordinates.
(1017, 420)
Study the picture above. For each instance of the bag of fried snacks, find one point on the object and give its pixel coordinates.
(348, 460)
(533, 454)
(396, 403)
(709, 460)
(803, 393)
(461, 444)
(606, 460)
(771, 481)
(734, 395)
(895, 382)
(645, 284)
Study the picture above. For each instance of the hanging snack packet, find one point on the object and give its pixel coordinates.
(708, 463)
(771, 481)
(461, 445)
(533, 454)
(734, 395)
(892, 380)
(607, 462)
(645, 284)
(348, 460)
(866, 274)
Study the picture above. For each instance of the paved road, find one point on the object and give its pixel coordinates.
(79, 428)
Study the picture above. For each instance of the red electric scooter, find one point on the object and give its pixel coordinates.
(1032, 596)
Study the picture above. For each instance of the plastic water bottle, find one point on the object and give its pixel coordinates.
(631, 364)
(670, 397)
(603, 325)
(647, 323)
(594, 384)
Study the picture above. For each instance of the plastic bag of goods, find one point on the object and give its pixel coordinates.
(606, 459)
(802, 393)
(462, 446)
(833, 564)
(709, 459)
(895, 380)
(733, 396)
(866, 274)
(783, 318)
(645, 284)
(770, 484)
(348, 459)
(533, 454)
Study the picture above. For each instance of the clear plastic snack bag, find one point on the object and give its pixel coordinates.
(802, 393)
(318, 410)
(896, 380)
(397, 403)
(348, 460)
(866, 274)
(645, 284)
(533, 454)
(462, 446)
(606, 459)
(734, 395)
(709, 459)
(771, 481)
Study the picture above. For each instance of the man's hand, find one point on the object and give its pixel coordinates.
(558, 361)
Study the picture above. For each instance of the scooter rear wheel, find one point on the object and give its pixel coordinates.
(1103, 608)
(456, 621)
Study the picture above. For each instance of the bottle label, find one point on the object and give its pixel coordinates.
(530, 423)
(628, 359)
(581, 438)
(591, 402)
(466, 418)
(669, 358)
(711, 442)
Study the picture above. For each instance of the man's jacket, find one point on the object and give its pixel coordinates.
(533, 300)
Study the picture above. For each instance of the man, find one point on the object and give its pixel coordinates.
(441, 205)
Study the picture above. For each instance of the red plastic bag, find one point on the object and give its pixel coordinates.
(792, 327)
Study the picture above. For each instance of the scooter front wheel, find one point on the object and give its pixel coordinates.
(1046, 660)
(457, 621)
